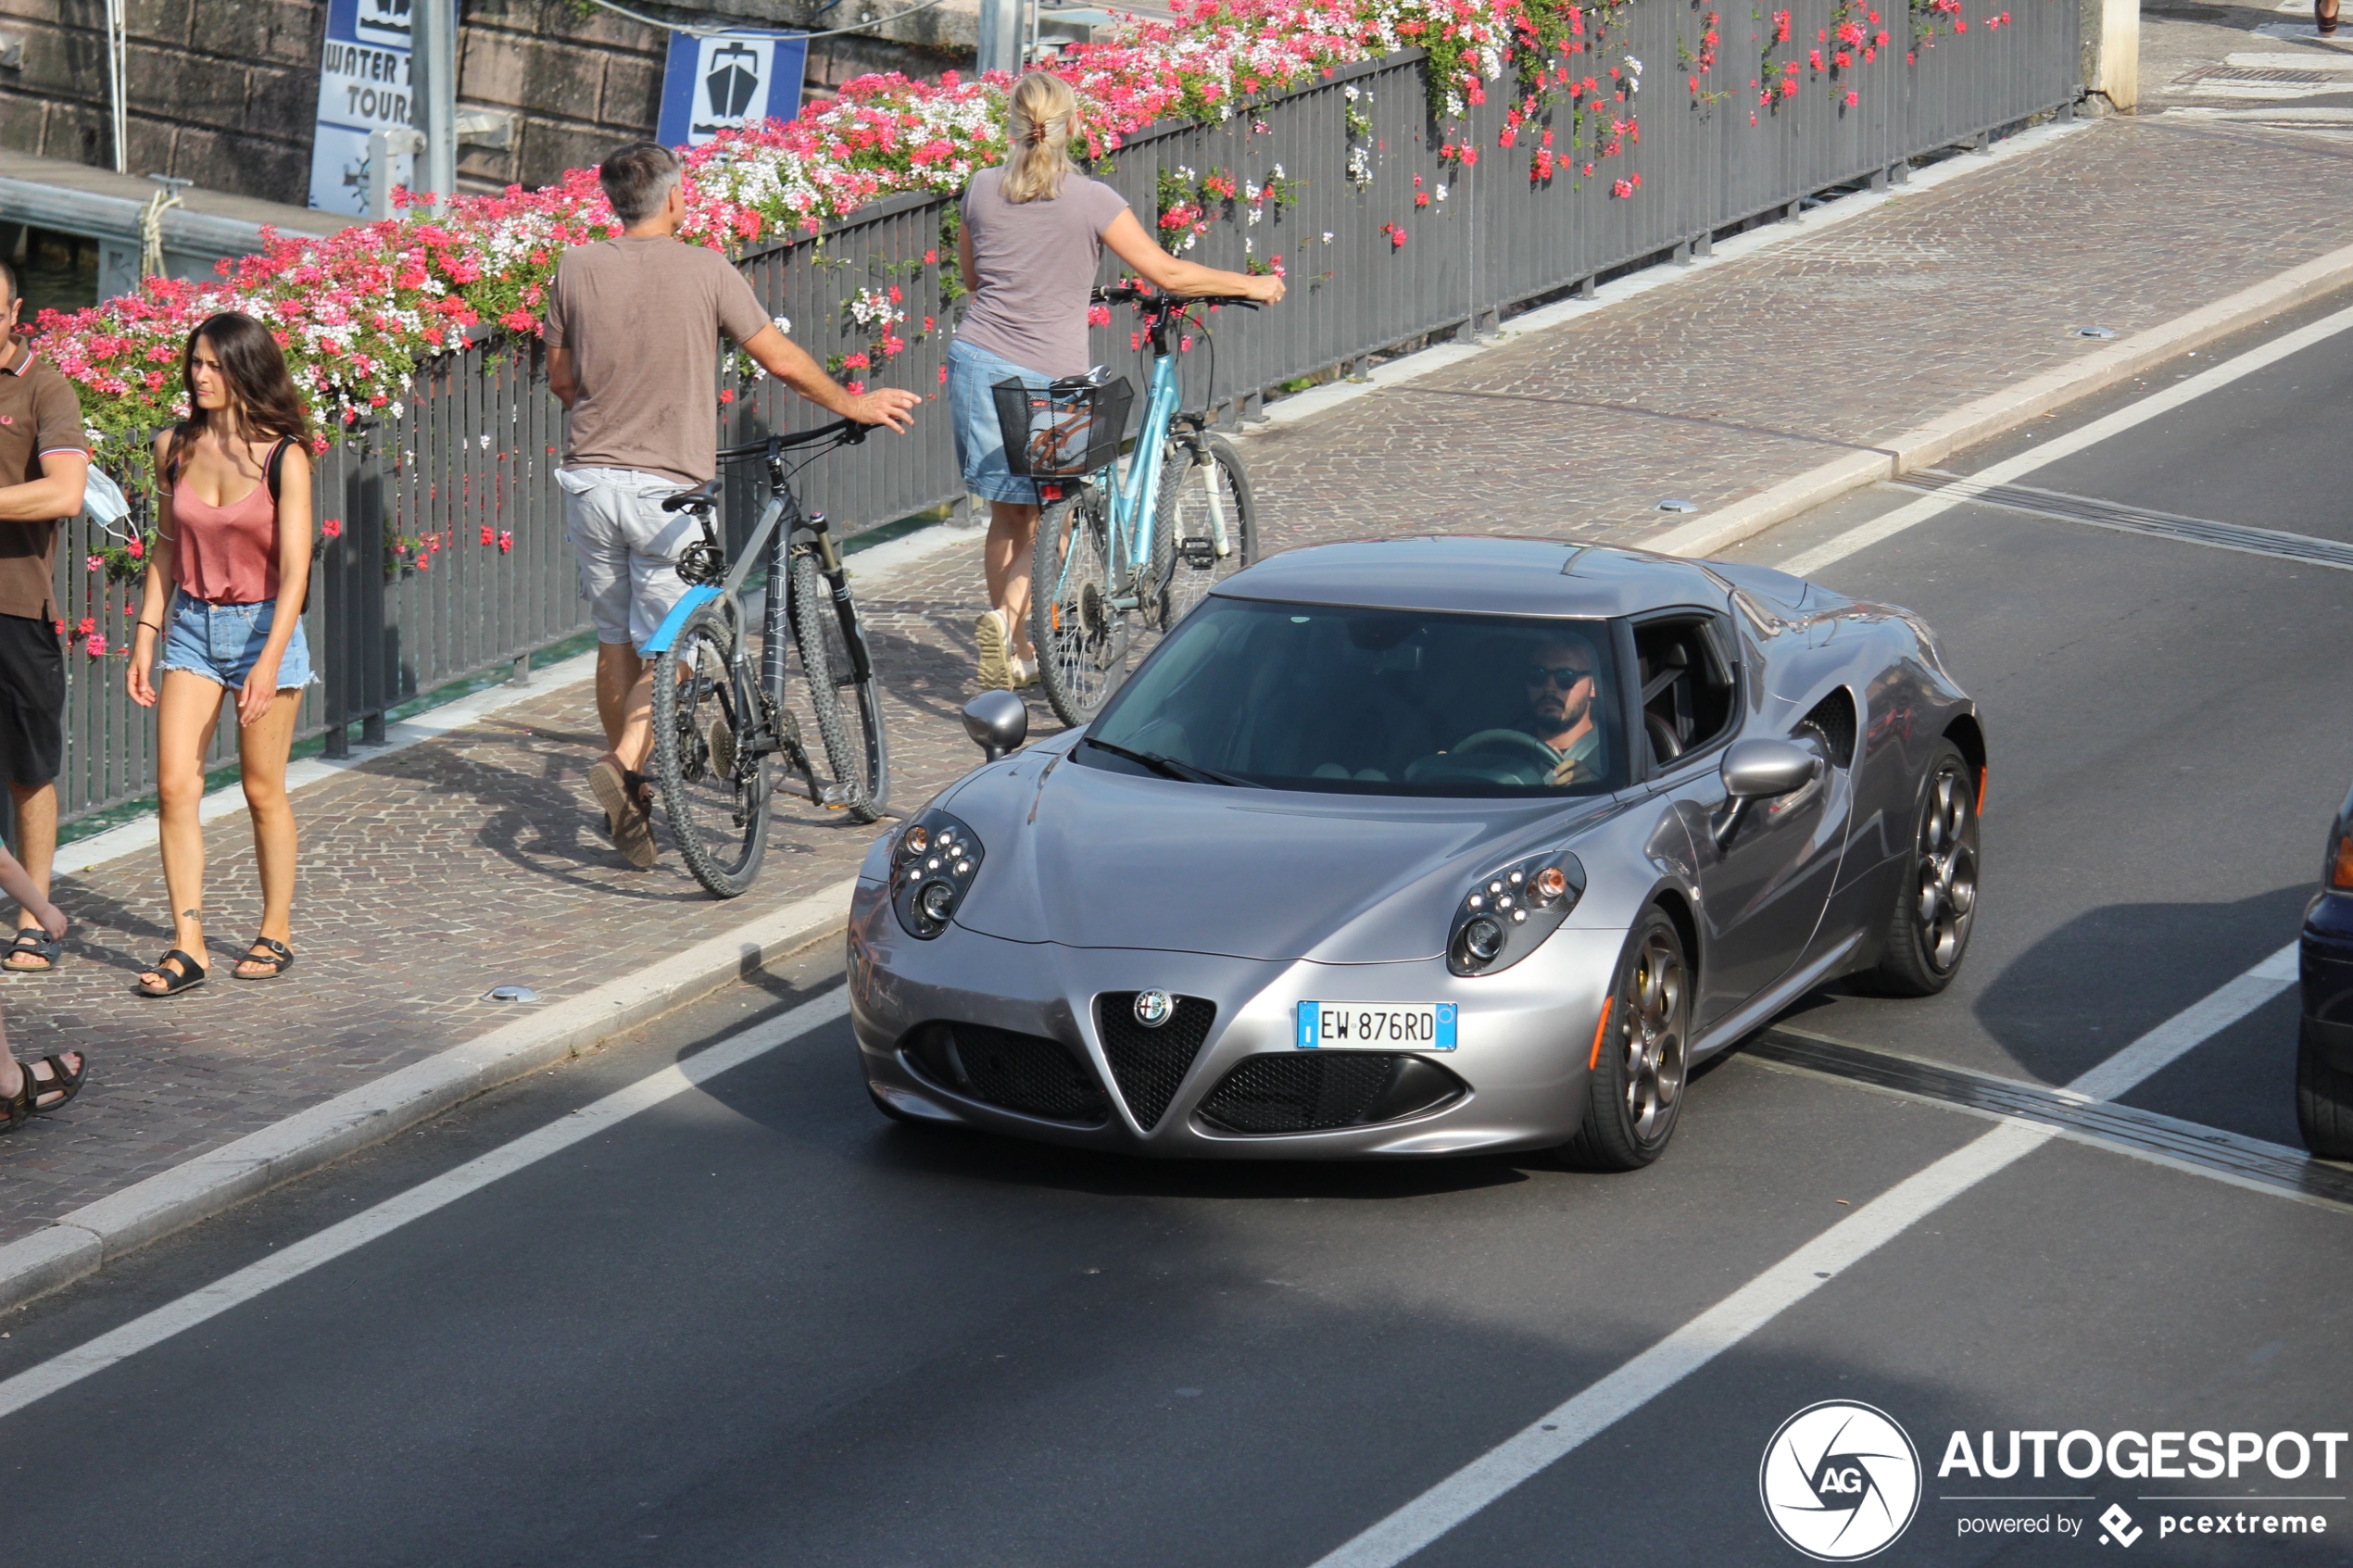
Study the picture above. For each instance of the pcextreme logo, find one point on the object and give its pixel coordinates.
(1840, 1481)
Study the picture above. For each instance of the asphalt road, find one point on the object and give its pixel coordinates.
(757, 1323)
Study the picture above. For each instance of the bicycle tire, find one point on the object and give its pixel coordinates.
(1081, 639)
(718, 812)
(1185, 562)
(860, 764)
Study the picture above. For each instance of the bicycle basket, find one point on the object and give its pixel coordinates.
(1064, 429)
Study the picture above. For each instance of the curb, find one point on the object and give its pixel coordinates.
(2007, 409)
(95, 1234)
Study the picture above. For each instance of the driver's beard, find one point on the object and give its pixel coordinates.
(1571, 711)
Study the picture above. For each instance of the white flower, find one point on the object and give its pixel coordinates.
(1441, 192)
(782, 323)
(1328, 236)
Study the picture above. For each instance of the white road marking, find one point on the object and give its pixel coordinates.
(1560, 1431)
(1806, 563)
(291, 1262)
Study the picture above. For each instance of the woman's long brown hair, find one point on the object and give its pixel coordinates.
(263, 404)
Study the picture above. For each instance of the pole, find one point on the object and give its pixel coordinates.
(2120, 52)
(1001, 35)
(434, 83)
(118, 44)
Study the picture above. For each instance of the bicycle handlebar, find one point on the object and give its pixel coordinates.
(1132, 293)
(848, 432)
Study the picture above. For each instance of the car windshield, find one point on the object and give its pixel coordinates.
(1245, 693)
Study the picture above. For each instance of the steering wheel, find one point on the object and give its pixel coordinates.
(1530, 748)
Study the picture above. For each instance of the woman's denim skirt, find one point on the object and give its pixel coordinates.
(980, 440)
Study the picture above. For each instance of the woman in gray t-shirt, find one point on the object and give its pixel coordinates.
(1033, 238)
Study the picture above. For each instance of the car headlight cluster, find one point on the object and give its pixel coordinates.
(1511, 909)
(933, 862)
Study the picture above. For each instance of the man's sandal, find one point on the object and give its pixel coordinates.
(62, 1083)
(187, 977)
(628, 815)
(32, 942)
(280, 959)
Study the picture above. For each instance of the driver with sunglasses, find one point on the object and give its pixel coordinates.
(1560, 694)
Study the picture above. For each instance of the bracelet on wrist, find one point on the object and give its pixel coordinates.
(151, 626)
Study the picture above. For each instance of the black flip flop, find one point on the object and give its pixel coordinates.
(33, 941)
(281, 960)
(186, 978)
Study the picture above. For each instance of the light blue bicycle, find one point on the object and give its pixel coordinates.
(1120, 545)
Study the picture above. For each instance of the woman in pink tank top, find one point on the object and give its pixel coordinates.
(223, 607)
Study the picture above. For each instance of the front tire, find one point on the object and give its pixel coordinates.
(860, 762)
(1205, 494)
(1635, 1096)
(1935, 908)
(715, 796)
(2323, 1100)
(1081, 638)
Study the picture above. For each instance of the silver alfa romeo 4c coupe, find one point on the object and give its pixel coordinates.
(1425, 847)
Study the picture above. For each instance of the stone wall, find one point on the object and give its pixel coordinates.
(225, 91)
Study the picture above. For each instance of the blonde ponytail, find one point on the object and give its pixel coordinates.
(1038, 117)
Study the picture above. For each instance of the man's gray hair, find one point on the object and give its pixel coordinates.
(637, 180)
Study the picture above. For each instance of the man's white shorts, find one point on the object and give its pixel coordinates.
(626, 548)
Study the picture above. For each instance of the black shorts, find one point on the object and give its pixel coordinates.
(32, 700)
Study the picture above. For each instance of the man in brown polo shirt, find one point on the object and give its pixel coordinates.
(45, 456)
(633, 331)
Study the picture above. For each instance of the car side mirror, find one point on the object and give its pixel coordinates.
(1762, 769)
(998, 722)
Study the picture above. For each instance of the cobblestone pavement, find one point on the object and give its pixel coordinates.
(435, 873)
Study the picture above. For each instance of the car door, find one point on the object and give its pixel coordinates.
(1764, 886)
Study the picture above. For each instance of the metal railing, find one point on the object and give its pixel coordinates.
(411, 596)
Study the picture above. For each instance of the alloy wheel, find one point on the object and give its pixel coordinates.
(1653, 1037)
(1947, 877)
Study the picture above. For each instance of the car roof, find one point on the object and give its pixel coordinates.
(1480, 574)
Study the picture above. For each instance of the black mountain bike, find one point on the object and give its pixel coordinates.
(718, 718)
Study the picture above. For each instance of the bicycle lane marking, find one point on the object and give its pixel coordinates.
(1560, 1431)
(1838, 547)
(291, 1262)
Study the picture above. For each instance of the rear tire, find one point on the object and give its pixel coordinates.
(1635, 1095)
(716, 798)
(2323, 1100)
(1081, 639)
(1934, 906)
(860, 762)
(1185, 560)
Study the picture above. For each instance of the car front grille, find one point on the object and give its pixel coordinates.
(1025, 1073)
(1149, 1063)
(1317, 1090)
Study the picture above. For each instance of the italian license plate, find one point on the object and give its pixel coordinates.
(1372, 1026)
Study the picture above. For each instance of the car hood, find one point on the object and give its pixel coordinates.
(1089, 858)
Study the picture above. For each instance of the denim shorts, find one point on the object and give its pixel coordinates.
(222, 642)
(980, 440)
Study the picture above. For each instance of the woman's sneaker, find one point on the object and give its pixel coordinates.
(1025, 673)
(989, 635)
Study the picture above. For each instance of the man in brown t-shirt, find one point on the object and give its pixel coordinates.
(632, 335)
(45, 456)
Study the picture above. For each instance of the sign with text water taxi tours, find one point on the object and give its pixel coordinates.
(363, 86)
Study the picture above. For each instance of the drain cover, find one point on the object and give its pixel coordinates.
(1671, 505)
(510, 994)
(2095, 332)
